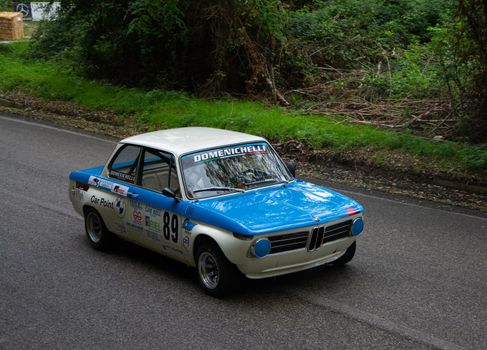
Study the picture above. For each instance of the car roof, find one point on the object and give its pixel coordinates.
(183, 140)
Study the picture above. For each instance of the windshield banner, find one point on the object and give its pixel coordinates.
(230, 152)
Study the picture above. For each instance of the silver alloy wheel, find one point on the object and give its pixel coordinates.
(94, 227)
(208, 270)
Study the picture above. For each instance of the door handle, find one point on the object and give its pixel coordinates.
(132, 195)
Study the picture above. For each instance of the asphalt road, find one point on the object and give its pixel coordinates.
(419, 279)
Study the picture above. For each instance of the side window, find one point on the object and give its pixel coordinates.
(159, 171)
(124, 166)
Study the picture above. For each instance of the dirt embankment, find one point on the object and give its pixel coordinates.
(398, 175)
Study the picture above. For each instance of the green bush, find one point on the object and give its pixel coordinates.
(350, 33)
(5, 5)
(231, 45)
(183, 44)
(405, 48)
(415, 72)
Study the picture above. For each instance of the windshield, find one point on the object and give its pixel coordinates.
(232, 169)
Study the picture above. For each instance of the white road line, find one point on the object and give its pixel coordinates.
(55, 128)
(378, 322)
(340, 190)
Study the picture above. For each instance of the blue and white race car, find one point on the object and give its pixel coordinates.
(221, 201)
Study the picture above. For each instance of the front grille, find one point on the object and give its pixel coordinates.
(321, 235)
(290, 241)
(317, 237)
(338, 231)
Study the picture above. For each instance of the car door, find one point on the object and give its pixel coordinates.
(151, 216)
(122, 174)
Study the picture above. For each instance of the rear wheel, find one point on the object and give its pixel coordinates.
(217, 275)
(347, 257)
(98, 235)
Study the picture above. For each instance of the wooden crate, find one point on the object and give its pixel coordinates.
(11, 26)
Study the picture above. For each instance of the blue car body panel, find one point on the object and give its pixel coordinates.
(283, 207)
(255, 212)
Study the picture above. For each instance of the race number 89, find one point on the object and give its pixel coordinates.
(170, 227)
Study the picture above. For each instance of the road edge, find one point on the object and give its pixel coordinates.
(331, 170)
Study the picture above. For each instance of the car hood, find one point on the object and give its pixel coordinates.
(276, 208)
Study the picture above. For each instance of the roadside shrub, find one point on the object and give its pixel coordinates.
(223, 45)
(419, 49)
(351, 33)
(231, 45)
(415, 72)
(5, 5)
(470, 39)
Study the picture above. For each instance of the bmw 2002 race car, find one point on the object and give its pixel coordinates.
(221, 201)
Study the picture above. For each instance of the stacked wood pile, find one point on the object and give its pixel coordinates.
(11, 26)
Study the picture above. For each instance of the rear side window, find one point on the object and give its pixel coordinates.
(124, 165)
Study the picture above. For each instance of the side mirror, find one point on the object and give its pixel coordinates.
(292, 167)
(169, 193)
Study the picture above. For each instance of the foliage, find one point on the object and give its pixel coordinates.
(471, 57)
(415, 72)
(421, 49)
(350, 33)
(5, 5)
(188, 44)
(232, 45)
(164, 109)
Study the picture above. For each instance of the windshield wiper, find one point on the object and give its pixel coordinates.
(265, 181)
(219, 189)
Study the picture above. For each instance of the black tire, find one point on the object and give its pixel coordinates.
(96, 231)
(210, 260)
(347, 257)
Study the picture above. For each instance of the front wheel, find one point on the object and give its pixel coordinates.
(98, 235)
(216, 274)
(347, 257)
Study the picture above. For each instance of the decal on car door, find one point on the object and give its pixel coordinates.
(154, 227)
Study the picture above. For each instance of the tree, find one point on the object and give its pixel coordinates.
(207, 46)
(472, 53)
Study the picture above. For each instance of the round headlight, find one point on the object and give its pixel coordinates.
(357, 226)
(261, 247)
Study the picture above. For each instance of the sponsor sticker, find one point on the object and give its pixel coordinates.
(137, 216)
(229, 152)
(99, 182)
(186, 242)
(135, 204)
(120, 189)
(188, 225)
(108, 185)
(122, 176)
(119, 207)
(102, 202)
(153, 236)
(135, 227)
(152, 211)
(152, 225)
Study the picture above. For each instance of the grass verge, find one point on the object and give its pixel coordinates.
(159, 109)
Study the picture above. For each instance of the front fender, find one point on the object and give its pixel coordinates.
(235, 250)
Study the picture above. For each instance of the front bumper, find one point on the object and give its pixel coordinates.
(294, 261)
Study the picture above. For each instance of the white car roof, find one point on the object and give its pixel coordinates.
(183, 140)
